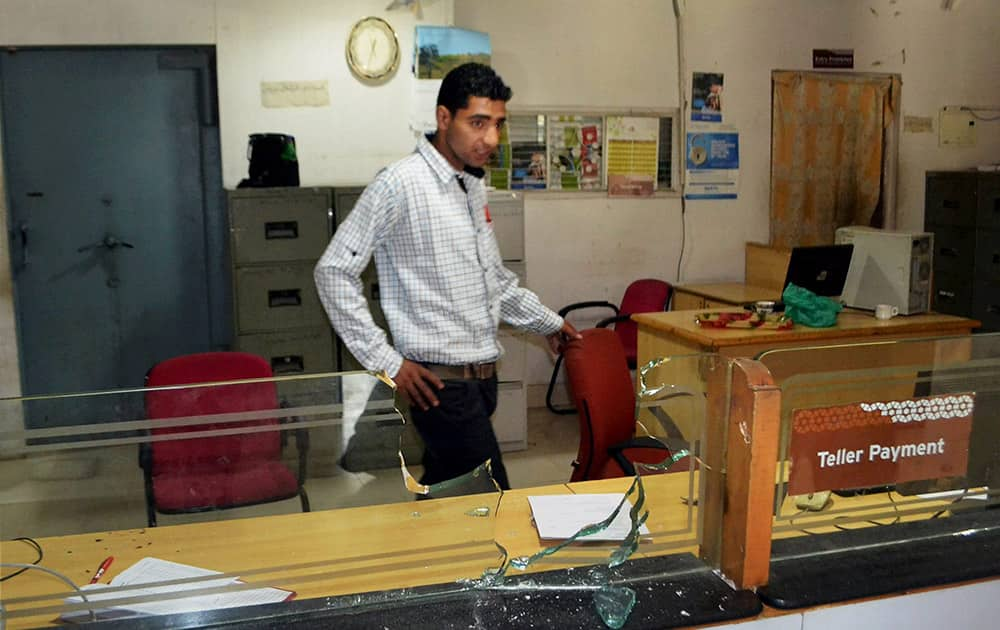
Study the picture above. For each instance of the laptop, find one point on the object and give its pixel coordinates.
(822, 268)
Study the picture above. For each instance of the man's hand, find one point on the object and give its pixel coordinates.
(418, 384)
(557, 340)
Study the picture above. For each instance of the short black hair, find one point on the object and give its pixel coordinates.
(471, 79)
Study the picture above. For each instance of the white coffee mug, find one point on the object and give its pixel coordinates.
(886, 311)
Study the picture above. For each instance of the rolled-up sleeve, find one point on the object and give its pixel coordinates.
(338, 277)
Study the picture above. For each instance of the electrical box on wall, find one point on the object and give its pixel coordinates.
(956, 128)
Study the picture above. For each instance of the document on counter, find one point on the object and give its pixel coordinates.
(560, 516)
(145, 579)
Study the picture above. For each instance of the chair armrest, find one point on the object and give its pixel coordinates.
(146, 458)
(617, 451)
(607, 321)
(581, 305)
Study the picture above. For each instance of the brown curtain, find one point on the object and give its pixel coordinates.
(827, 146)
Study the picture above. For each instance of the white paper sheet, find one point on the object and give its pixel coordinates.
(559, 516)
(152, 571)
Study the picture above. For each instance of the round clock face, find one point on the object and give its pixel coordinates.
(372, 49)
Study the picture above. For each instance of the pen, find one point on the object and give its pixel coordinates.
(101, 569)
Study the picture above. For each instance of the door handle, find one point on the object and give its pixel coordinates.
(110, 241)
(22, 229)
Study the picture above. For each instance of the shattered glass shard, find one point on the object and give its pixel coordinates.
(669, 461)
(631, 542)
(614, 604)
(483, 471)
(621, 553)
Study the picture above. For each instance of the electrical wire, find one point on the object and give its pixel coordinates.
(24, 567)
(38, 550)
(680, 257)
(680, 8)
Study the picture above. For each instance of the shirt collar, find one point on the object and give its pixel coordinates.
(441, 167)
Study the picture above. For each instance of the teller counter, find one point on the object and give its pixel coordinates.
(393, 553)
(887, 478)
(806, 499)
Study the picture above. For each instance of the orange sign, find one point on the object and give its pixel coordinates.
(878, 443)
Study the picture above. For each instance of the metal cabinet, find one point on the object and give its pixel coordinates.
(276, 237)
(962, 209)
(510, 421)
(344, 199)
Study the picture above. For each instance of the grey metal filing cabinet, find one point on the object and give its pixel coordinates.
(276, 237)
(962, 209)
(510, 421)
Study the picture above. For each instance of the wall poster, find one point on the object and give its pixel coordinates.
(712, 162)
(706, 97)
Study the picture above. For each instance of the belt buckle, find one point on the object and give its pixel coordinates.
(480, 371)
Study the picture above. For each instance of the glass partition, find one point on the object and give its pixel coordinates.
(318, 476)
(885, 447)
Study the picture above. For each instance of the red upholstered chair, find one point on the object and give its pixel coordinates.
(603, 393)
(196, 474)
(642, 296)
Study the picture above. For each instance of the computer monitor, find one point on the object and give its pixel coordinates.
(822, 268)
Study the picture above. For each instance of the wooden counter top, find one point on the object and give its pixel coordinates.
(851, 324)
(345, 551)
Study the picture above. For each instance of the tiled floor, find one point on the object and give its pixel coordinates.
(113, 497)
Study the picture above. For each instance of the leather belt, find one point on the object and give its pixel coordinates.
(479, 371)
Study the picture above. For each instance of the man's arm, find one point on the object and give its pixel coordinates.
(338, 282)
(521, 308)
(338, 277)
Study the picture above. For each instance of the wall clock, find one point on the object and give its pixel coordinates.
(372, 49)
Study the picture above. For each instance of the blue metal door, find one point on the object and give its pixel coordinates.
(116, 215)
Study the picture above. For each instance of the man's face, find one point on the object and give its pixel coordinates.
(472, 133)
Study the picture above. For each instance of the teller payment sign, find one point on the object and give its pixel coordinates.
(877, 443)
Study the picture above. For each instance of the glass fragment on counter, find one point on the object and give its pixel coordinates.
(614, 604)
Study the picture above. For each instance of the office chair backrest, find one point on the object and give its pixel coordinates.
(180, 455)
(642, 296)
(603, 395)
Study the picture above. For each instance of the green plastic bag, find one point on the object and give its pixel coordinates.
(804, 307)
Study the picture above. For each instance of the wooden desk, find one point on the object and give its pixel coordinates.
(339, 552)
(676, 333)
(719, 295)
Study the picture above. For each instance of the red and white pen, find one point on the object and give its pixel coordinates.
(101, 569)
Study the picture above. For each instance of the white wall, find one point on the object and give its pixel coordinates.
(364, 128)
(580, 53)
(628, 55)
(950, 59)
(598, 55)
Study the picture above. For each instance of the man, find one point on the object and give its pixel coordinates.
(443, 286)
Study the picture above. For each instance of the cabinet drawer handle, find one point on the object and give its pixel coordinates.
(948, 251)
(284, 297)
(993, 309)
(281, 229)
(946, 296)
(288, 364)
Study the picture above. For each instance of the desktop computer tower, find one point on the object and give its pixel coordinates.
(888, 268)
